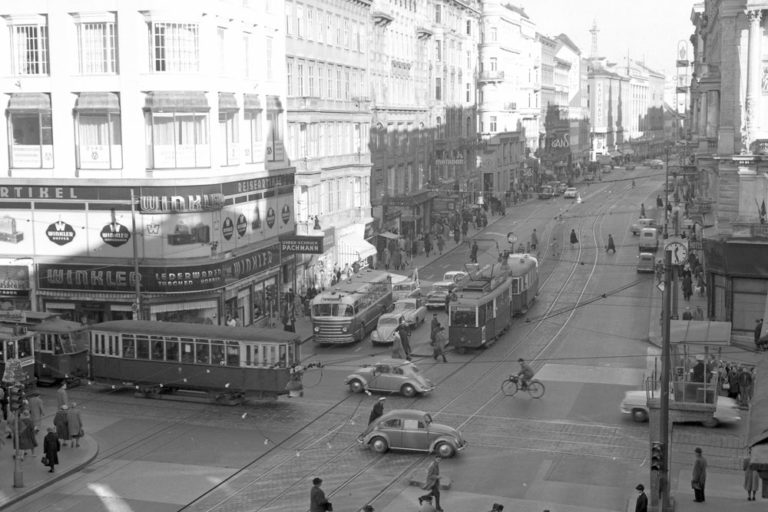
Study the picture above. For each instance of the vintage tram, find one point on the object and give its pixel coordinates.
(17, 357)
(61, 350)
(218, 363)
(348, 311)
(482, 311)
(524, 271)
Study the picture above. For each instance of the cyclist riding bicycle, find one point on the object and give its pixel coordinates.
(525, 373)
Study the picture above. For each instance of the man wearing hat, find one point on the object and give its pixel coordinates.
(641, 505)
(317, 501)
(699, 369)
(699, 476)
(377, 411)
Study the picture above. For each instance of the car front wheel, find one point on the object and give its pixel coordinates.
(356, 386)
(445, 450)
(379, 445)
(639, 415)
(408, 390)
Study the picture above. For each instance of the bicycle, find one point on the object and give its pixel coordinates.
(511, 386)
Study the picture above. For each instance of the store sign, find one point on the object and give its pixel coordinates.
(115, 234)
(60, 233)
(286, 214)
(14, 277)
(242, 225)
(271, 217)
(257, 184)
(151, 204)
(253, 263)
(301, 245)
(227, 228)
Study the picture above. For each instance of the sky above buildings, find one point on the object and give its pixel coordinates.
(647, 29)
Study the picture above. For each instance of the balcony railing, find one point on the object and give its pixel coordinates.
(491, 76)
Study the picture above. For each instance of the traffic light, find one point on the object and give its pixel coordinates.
(16, 398)
(657, 457)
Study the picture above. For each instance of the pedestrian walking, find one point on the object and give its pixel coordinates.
(611, 245)
(405, 337)
(317, 500)
(36, 410)
(751, 477)
(758, 332)
(438, 344)
(4, 407)
(433, 326)
(687, 286)
(473, 253)
(699, 476)
(425, 504)
(397, 346)
(432, 483)
(642, 210)
(61, 394)
(396, 259)
(574, 239)
(377, 411)
(75, 424)
(534, 240)
(427, 245)
(60, 421)
(733, 383)
(51, 447)
(641, 505)
(440, 243)
(27, 441)
(659, 202)
(386, 256)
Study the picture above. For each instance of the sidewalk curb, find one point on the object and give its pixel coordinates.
(30, 490)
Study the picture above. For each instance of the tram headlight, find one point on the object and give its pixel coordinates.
(316, 329)
(345, 329)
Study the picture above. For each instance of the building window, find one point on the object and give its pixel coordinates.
(494, 34)
(494, 63)
(438, 50)
(330, 82)
(229, 133)
(177, 130)
(469, 27)
(221, 37)
(320, 80)
(30, 48)
(289, 83)
(300, 78)
(469, 92)
(175, 47)
(438, 89)
(469, 127)
(31, 133)
(247, 67)
(346, 84)
(438, 13)
(98, 132)
(338, 84)
(253, 124)
(300, 21)
(268, 57)
(275, 150)
(311, 80)
(96, 45)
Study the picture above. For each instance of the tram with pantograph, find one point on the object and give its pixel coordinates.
(17, 356)
(219, 363)
(482, 311)
(348, 311)
(524, 271)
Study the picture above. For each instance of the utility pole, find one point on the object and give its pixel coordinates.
(665, 377)
(137, 276)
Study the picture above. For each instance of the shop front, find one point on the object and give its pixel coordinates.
(15, 287)
(415, 212)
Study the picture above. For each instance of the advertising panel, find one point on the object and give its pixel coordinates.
(16, 232)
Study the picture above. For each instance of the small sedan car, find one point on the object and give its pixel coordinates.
(408, 429)
(454, 275)
(390, 376)
(438, 293)
(570, 193)
(646, 262)
(385, 329)
(641, 223)
(635, 403)
(656, 164)
(413, 310)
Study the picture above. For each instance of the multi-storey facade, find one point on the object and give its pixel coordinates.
(729, 128)
(403, 128)
(146, 175)
(328, 128)
(505, 93)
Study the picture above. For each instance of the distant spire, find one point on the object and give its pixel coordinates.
(594, 31)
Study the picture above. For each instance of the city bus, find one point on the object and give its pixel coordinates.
(482, 311)
(348, 311)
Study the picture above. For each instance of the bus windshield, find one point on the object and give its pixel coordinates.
(332, 310)
(463, 317)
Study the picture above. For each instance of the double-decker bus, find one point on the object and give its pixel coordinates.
(482, 311)
(348, 311)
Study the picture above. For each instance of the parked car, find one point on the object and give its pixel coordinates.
(390, 376)
(438, 293)
(641, 223)
(405, 289)
(646, 262)
(570, 193)
(589, 177)
(656, 164)
(407, 429)
(413, 310)
(629, 167)
(649, 240)
(561, 188)
(454, 275)
(385, 329)
(546, 192)
(635, 403)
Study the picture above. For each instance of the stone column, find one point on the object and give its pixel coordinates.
(703, 102)
(754, 54)
(713, 113)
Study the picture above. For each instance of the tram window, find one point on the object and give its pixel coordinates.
(2, 352)
(10, 351)
(248, 361)
(46, 344)
(489, 311)
(322, 310)
(187, 354)
(202, 353)
(481, 318)
(129, 348)
(463, 318)
(57, 349)
(25, 347)
(525, 282)
(233, 355)
(256, 355)
(111, 343)
(217, 353)
(142, 347)
(282, 352)
(68, 344)
(348, 310)
(271, 357)
(291, 356)
(157, 350)
(171, 350)
(516, 285)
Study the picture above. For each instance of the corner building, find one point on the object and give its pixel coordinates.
(146, 172)
(329, 121)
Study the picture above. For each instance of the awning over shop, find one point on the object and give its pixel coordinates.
(98, 103)
(354, 249)
(29, 102)
(227, 102)
(698, 332)
(176, 101)
(252, 102)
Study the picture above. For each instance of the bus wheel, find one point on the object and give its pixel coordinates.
(408, 390)
(356, 386)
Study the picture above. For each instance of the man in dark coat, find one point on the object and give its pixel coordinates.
(51, 447)
(574, 238)
(317, 501)
(611, 245)
(377, 411)
(432, 483)
(405, 333)
(641, 505)
(473, 253)
(699, 476)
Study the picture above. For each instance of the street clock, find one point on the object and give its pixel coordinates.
(679, 252)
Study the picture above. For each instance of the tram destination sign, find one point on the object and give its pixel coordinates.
(301, 244)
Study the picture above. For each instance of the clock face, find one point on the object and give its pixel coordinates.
(679, 253)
